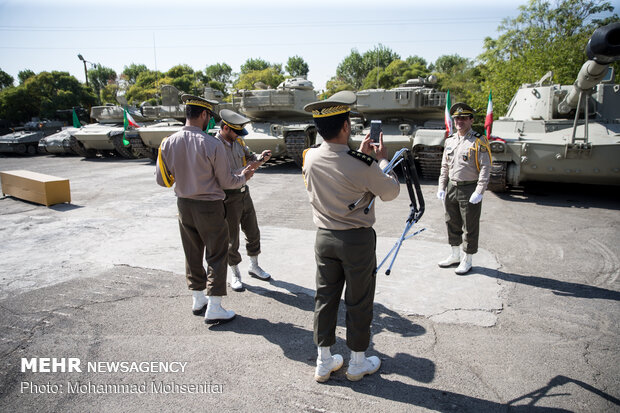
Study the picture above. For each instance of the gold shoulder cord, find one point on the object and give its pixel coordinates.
(242, 143)
(477, 150)
(165, 174)
(303, 163)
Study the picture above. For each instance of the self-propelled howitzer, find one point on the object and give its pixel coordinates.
(564, 133)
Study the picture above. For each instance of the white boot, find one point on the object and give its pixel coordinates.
(465, 265)
(199, 302)
(360, 365)
(454, 258)
(235, 280)
(326, 364)
(256, 271)
(216, 313)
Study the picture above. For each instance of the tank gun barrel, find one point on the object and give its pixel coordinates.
(603, 49)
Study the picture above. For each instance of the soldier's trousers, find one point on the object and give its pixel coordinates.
(462, 217)
(240, 211)
(344, 257)
(204, 231)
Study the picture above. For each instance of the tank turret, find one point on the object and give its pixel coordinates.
(564, 133)
(279, 122)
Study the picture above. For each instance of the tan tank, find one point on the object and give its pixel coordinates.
(279, 122)
(411, 117)
(564, 133)
(168, 118)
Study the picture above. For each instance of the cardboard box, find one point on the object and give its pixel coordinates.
(35, 187)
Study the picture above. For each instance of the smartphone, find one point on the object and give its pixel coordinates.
(375, 130)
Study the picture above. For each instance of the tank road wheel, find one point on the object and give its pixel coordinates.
(124, 151)
(428, 159)
(296, 143)
(32, 150)
(497, 180)
(21, 149)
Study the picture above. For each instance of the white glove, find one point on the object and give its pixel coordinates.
(475, 198)
(441, 194)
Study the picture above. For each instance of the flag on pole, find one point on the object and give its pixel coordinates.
(128, 121)
(488, 121)
(76, 121)
(447, 117)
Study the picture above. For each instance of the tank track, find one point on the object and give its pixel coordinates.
(78, 148)
(138, 146)
(124, 151)
(497, 179)
(296, 143)
(428, 159)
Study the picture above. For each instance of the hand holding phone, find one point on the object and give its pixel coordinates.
(375, 130)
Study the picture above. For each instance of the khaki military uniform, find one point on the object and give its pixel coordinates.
(335, 177)
(200, 167)
(465, 168)
(239, 206)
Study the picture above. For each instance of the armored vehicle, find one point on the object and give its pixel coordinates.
(60, 143)
(279, 122)
(169, 117)
(411, 116)
(564, 133)
(26, 141)
(105, 136)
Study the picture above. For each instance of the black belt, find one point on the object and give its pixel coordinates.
(235, 191)
(461, 183)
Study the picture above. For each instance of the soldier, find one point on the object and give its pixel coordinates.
(465, 170)
(239, 206)
(197, 164)
(336, 176)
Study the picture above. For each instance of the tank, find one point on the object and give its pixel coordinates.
(106, 136)
(26, 140)
(411, 117)
(60, 143)
(278, 120)
(167, 118)
(563, 133)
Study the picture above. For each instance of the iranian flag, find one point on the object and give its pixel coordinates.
(128, 120)
(488, 121)
(447, 117)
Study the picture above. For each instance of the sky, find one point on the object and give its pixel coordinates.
(48, 35)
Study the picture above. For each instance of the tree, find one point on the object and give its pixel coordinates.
(541, 38)
(132, 71)
(251, 65)
(42, 95)
(297, 67)
(24, 75)
(219, 72)
(334, 85)
(416, 60)
(99, 77)
(271, 76)
(355, 67)
(395, 74)
(6, 80)
(146, 88)
(450, 64)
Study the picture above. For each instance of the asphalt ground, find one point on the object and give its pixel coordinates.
(533, 327)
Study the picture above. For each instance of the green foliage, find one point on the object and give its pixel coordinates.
(42, 95)
(395, 74)
(297, 67)
(219, 72)
(355, 68)
(252, 65)
(271, 76)
(6, 80)
(146, 87)
(24, 75)
(179, 71)
(334, 85)
(542, 37)
(99, 77)
(132, 71)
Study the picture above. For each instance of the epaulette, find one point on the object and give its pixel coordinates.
(477, 135)
(367, 159)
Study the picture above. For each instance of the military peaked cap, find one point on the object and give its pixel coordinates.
(461, 109)
(198, 101)
(338, 103)
(234, 121)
